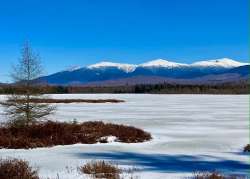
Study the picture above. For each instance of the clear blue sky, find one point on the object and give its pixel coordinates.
(82, 32)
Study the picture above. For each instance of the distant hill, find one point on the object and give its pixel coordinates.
(152, 72)
(204, 80)
(242, 70)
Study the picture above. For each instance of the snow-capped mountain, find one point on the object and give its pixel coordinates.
(162, 63)
(222, 63)
(122, 66)
(159, 68)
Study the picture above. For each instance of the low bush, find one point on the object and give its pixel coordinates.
(16, 169)
(101, 169)
(50, 100)
(213, 175)
(247, 148)
(58, 133)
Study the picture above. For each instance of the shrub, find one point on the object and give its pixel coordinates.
(57, 133)
(16, 169)
(212, 175)
(247, 148)
(50, 100)
(101, 169)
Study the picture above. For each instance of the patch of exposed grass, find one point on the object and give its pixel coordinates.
(214, 175)
(16, 169)
(101, 169)
(58, 133)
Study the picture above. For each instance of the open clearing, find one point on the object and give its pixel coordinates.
(190, 133)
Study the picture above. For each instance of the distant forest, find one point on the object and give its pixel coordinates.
(239, 88)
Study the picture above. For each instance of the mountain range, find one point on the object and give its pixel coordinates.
(152, 72)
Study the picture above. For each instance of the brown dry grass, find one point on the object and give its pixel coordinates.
(67, 101)
(247, 148)
(57, 133)
(101, 169)
(16, 169)
(213, 175)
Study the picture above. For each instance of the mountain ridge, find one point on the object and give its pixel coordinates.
(222, 62)
(110, 71)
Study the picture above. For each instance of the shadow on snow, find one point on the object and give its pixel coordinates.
(170, 163)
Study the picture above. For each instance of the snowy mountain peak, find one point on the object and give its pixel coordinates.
(162, 63)
(122, 66)
(223, 62)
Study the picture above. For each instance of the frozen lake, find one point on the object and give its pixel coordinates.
(190, 133)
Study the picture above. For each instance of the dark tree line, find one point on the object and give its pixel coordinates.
(164, 88)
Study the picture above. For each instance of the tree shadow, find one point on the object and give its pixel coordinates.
(171, 163)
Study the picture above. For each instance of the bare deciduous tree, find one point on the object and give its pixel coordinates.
(19, 106)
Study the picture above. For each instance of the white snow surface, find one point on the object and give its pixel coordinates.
(109, 139)
(190, 133)
(125, 67)
(223, 62)
(162, 63)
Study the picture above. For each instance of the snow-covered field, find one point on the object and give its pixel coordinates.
(190, 133)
